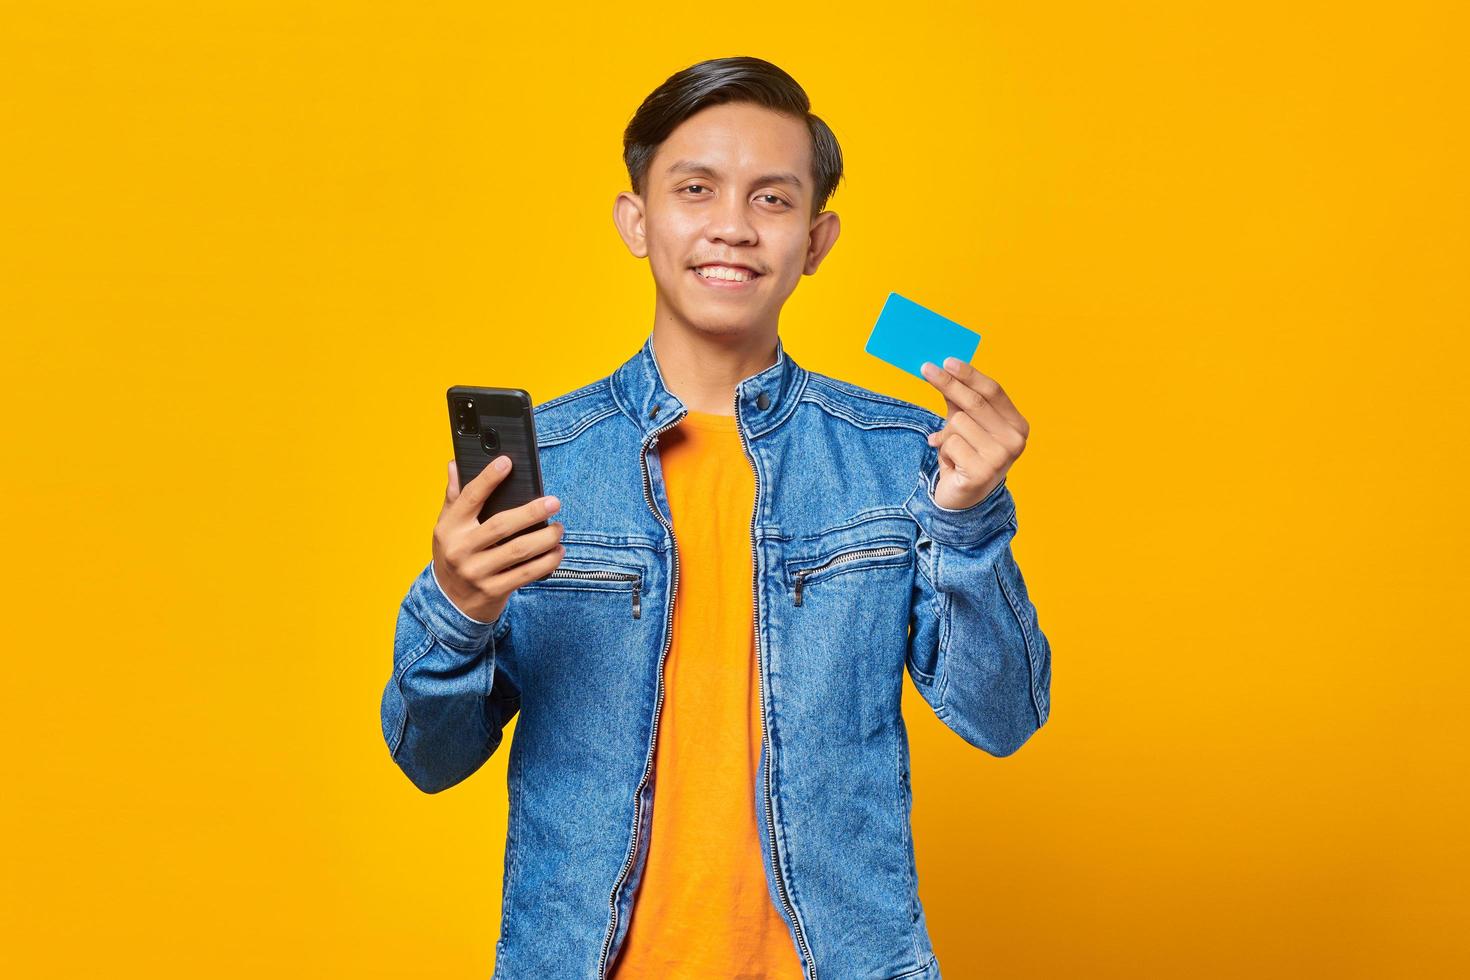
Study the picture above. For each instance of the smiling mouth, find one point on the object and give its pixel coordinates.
(725, 277)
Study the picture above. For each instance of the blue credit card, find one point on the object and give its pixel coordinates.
(907, 334)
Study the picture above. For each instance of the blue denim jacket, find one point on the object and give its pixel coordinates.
(859, 575)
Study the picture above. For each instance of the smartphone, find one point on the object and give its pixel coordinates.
(486, 423)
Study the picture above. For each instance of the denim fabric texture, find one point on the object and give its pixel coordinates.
(859, 576)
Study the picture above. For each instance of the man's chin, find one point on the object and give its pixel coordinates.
(716, 316)
(721, 325)
(726, 327)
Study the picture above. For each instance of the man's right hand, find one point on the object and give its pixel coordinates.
(475, 565)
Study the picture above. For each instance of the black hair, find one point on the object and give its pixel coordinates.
(718, 81)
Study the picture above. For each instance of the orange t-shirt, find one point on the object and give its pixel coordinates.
(703, 907)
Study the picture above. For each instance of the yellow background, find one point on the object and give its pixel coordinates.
(1218, 256)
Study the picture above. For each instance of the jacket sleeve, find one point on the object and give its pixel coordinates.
(976, 652)
(446, 703)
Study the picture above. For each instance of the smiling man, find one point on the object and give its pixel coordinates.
(727, 208)
(709, 776)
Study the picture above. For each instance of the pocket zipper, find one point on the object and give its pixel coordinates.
(606, 576)
(801, 573)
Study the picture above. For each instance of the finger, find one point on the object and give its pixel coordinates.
(988, 388)
(513, 551)
(988, 427)
(955, 391)
(478, 490)
(969, 388)
(928, 368)
(502, 524)
(527, 571)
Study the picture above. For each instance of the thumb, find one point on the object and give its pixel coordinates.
(451, 490)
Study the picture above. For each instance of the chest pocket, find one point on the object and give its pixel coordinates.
(593, 565)
(873, 539)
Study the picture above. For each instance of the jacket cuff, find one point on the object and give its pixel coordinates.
(961, 528)
(443, 618)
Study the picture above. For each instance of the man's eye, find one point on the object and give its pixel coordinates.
(773, 197)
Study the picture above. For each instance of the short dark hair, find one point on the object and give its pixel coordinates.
(721, 80)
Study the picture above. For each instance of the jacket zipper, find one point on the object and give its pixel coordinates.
(808, 965)
(604, 575)
(612, 924)
(801, 573)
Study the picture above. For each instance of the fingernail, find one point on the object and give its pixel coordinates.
(952, 363)
(928, 369)
(552, 504)
(502, 463)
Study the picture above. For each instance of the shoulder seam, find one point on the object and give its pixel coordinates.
(570, 421)
(839, 387)
(579, 425)
(591, 388)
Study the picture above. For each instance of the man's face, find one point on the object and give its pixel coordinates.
(732, 184)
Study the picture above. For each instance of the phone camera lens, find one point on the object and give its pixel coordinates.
(466, 421)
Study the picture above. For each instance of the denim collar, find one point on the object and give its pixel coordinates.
(766, 398)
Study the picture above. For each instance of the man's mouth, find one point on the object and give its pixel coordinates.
(725, 276)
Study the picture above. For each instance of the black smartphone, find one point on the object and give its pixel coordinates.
(486, 423)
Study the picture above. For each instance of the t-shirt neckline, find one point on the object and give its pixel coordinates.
(709, 421)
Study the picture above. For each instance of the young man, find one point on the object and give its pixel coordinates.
(710, 720)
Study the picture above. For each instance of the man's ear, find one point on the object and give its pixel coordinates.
(820, 239)
(628, 216)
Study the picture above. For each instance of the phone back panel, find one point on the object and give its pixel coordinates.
(502, 423)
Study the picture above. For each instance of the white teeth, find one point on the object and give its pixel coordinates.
(724, 272)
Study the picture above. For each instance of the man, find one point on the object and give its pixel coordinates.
(749, 667)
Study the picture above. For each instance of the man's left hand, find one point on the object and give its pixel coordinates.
(982, 436)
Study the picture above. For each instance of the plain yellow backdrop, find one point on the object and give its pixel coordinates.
(1218, 255)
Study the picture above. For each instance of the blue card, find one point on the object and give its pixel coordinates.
(907, 334)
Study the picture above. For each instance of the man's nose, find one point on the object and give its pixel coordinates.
(730, 222)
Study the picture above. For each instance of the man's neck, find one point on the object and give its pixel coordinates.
(702, 371)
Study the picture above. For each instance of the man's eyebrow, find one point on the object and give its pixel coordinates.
(704, 169)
